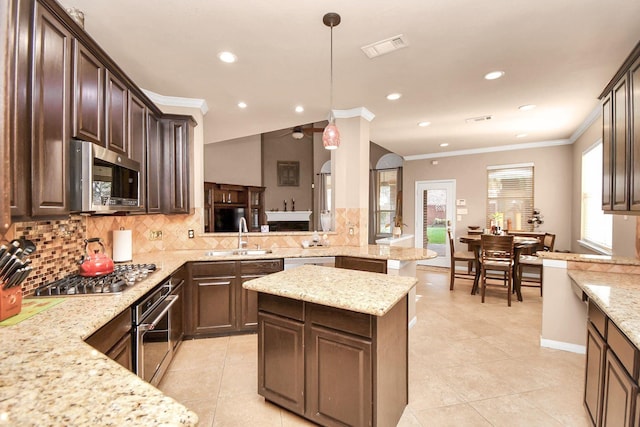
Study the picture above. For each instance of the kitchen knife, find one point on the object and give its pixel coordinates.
(16, 265)
(13, 246)
(13, 279)
(5, 259)
(19, 277)
(3, 249)
(8, 265)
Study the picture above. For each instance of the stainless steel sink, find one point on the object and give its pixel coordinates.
(230, 252)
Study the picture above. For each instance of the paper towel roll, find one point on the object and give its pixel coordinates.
(122, 246)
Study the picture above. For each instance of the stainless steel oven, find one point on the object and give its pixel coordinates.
(152, 332)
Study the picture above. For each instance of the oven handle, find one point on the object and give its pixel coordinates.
(150, 326)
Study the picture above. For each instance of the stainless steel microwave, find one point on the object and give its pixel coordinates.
(103, 181)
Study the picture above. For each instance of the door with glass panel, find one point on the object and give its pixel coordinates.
(435, 204)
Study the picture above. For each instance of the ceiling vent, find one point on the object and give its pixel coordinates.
(478, 119)
(385, 46)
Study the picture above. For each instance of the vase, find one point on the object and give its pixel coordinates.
(325, 221)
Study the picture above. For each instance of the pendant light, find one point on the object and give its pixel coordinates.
(331, 135)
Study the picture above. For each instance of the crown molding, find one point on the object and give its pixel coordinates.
(525, 146)
(177, 101)
(591, 118)
(354, 112)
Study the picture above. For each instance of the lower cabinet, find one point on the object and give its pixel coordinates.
(115, 340)
(362, 264)
(612, 371)
(332, 366)
(217, 303)
(176, 315)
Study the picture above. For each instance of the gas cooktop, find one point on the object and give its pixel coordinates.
(124, 276)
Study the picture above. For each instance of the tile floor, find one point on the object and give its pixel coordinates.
(470, 364)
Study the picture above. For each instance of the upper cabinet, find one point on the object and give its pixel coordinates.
(88, 99)
(177, 143)
(137, 137)
(621, 140)
(116, 114)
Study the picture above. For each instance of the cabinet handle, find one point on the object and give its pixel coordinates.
(214, 283)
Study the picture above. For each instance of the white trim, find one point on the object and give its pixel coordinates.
(354, 112)
(511, 166)
(594, 145)
(177, 101)
(525, 146)
(556, 263)
(413, 322)
(596, 248)
(592, 117)
(566, 346)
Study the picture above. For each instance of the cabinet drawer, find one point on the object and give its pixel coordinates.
(287, 307)
(105, 338)
(341, 320)
(261, 267)
(208, 269)
(622, 347)
(598, 318)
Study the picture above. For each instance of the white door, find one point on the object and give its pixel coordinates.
(435, 210)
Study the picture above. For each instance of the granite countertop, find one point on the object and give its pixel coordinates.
(359, 291)
(617, 294)
(599, 259)
(52, 377)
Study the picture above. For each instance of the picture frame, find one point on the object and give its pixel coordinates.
(288, 173)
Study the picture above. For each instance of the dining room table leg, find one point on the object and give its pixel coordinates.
(517, 280)
(476, 279)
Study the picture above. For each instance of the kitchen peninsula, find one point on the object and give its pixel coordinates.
(333, 344)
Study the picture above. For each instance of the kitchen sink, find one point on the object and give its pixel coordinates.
(229, 252)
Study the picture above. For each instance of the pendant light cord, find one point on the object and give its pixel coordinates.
(331, 118)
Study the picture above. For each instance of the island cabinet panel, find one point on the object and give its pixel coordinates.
(51, 115)
(88, 99)
(362, 264)
(620, 393)
(115, 340)
(593, 388)
(116, 115)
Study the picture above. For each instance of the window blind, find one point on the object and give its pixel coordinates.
(510, 197)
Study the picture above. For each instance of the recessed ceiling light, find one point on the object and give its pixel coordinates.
(299, 109)
(394, 96)
(227, 57)
(527, 107)
(424, 124)
(521, 135)
(242, 104)
(444, 144)
(494, 75)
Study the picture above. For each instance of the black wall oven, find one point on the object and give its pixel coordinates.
(152, 332)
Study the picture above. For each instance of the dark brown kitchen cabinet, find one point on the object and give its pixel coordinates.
(620, 146)
(217, 303)
(620, 393)
(51, 115)
(115, 340)
(594, 378)
(634, 91)
(176, 315)
(354, 365)
(88, 95)
(154, 164)
(116, 94)
(607, 182)
(178, 134)
(137, 137)
(362, 264)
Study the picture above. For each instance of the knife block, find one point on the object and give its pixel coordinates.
(10, 302)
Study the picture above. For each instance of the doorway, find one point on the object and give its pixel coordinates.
(435, 210)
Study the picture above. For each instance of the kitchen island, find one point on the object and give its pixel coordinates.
(333, 344)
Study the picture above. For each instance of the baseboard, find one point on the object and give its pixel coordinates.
(565, 346)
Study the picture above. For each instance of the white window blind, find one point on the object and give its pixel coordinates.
(596, 226)
(510, 196)
(386, 185)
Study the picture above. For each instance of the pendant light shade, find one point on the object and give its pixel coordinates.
(331, 135)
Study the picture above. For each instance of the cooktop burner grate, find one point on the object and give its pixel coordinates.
(123, 277)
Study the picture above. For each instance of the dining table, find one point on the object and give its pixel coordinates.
(519, 244)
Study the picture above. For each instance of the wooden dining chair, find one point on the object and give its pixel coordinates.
(533, 264)
(496, 254)
(459, 256)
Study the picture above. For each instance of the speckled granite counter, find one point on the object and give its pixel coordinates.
(617, 294)
(51, 377)
(362, 292)
(588, 258)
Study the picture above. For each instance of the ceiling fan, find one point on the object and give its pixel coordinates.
(298, 132)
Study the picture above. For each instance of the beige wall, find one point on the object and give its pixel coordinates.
(552, 186)
(237, 161)
(624, 227)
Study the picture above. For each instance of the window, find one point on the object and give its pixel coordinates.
(596, 229)
(386, 187)
(510, 196)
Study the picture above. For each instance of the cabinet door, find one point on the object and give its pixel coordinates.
(607, 136)
(338, 378)
(138, 141)
(620, 146)
(362, 264)
(116, 114)
(620, 394)
(281, 361)
(594, 377)
(634, 123)
(51, 116)
(154, 164)
(122, 352)
(88, 106)
(176, 165)
(176, 315)
(214, 305)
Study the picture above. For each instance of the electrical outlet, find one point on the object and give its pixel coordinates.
(155, 235)
(351, 231)
(191, 234)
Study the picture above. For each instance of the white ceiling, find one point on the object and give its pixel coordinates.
(557, 54)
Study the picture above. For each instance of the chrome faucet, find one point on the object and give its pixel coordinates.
(242, 227)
